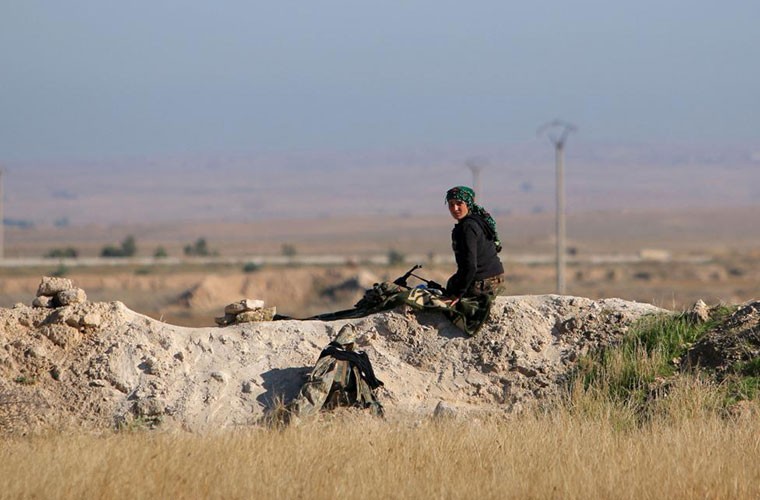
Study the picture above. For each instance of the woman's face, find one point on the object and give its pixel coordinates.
(458, 209)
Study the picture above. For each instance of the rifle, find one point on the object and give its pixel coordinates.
(401, 281)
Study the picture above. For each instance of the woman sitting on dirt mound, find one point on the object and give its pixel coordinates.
(476, 247)
(469, 292)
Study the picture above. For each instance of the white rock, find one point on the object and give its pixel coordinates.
(699, 312)
(257, 315)
(51, 285)
(43, 301)
(444, 410)
(91, 320)
(73, 296)
(243, 305)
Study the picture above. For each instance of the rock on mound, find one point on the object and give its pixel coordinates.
(732, 343)
(102, 364)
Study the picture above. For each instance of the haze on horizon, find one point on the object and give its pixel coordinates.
(88, 79)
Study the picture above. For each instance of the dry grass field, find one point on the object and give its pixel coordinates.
(580, 451)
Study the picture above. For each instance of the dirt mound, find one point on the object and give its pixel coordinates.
(209, 293)
(732, 344)
(101, 364)
(295, 292)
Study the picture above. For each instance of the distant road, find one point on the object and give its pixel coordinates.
(332, 260)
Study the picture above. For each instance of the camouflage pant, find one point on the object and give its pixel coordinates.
(489, 286)
(468, 314)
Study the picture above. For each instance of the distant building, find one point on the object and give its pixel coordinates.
(654, 254)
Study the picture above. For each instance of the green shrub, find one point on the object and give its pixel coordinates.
(251, 267)
(744, 383)
(197, 249)
(128, 248)
(25, 380)
(749, 369)
(111, 251)
(61, 270)
(62, 253)
(289, 250)
(739, 388)
(395, 257)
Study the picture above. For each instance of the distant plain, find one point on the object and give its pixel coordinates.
(668, 231)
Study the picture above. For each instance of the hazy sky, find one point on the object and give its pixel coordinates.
(91, 78)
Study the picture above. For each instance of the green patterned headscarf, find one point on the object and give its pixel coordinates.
(467, 195)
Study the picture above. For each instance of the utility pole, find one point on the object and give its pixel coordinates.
(2, 218)
(476, 166)
(557, 132)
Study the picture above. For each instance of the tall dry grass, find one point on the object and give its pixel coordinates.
(564, 454)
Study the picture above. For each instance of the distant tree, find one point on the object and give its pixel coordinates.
(197, 249)
(111, 251)
(19, 223)
(395, 257)
(62, 253)
(61, 222)
(128, 248)
(160, 253)
(289, 250)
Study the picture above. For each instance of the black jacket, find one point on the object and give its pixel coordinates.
(475, 253)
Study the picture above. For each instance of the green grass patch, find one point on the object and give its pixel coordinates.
(744, 383)
(749, 369)
(25, 380)
(741, 388)
(649, 352)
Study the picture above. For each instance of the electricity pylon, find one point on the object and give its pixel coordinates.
(2, 220)
(476, 167)
(557, 132)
